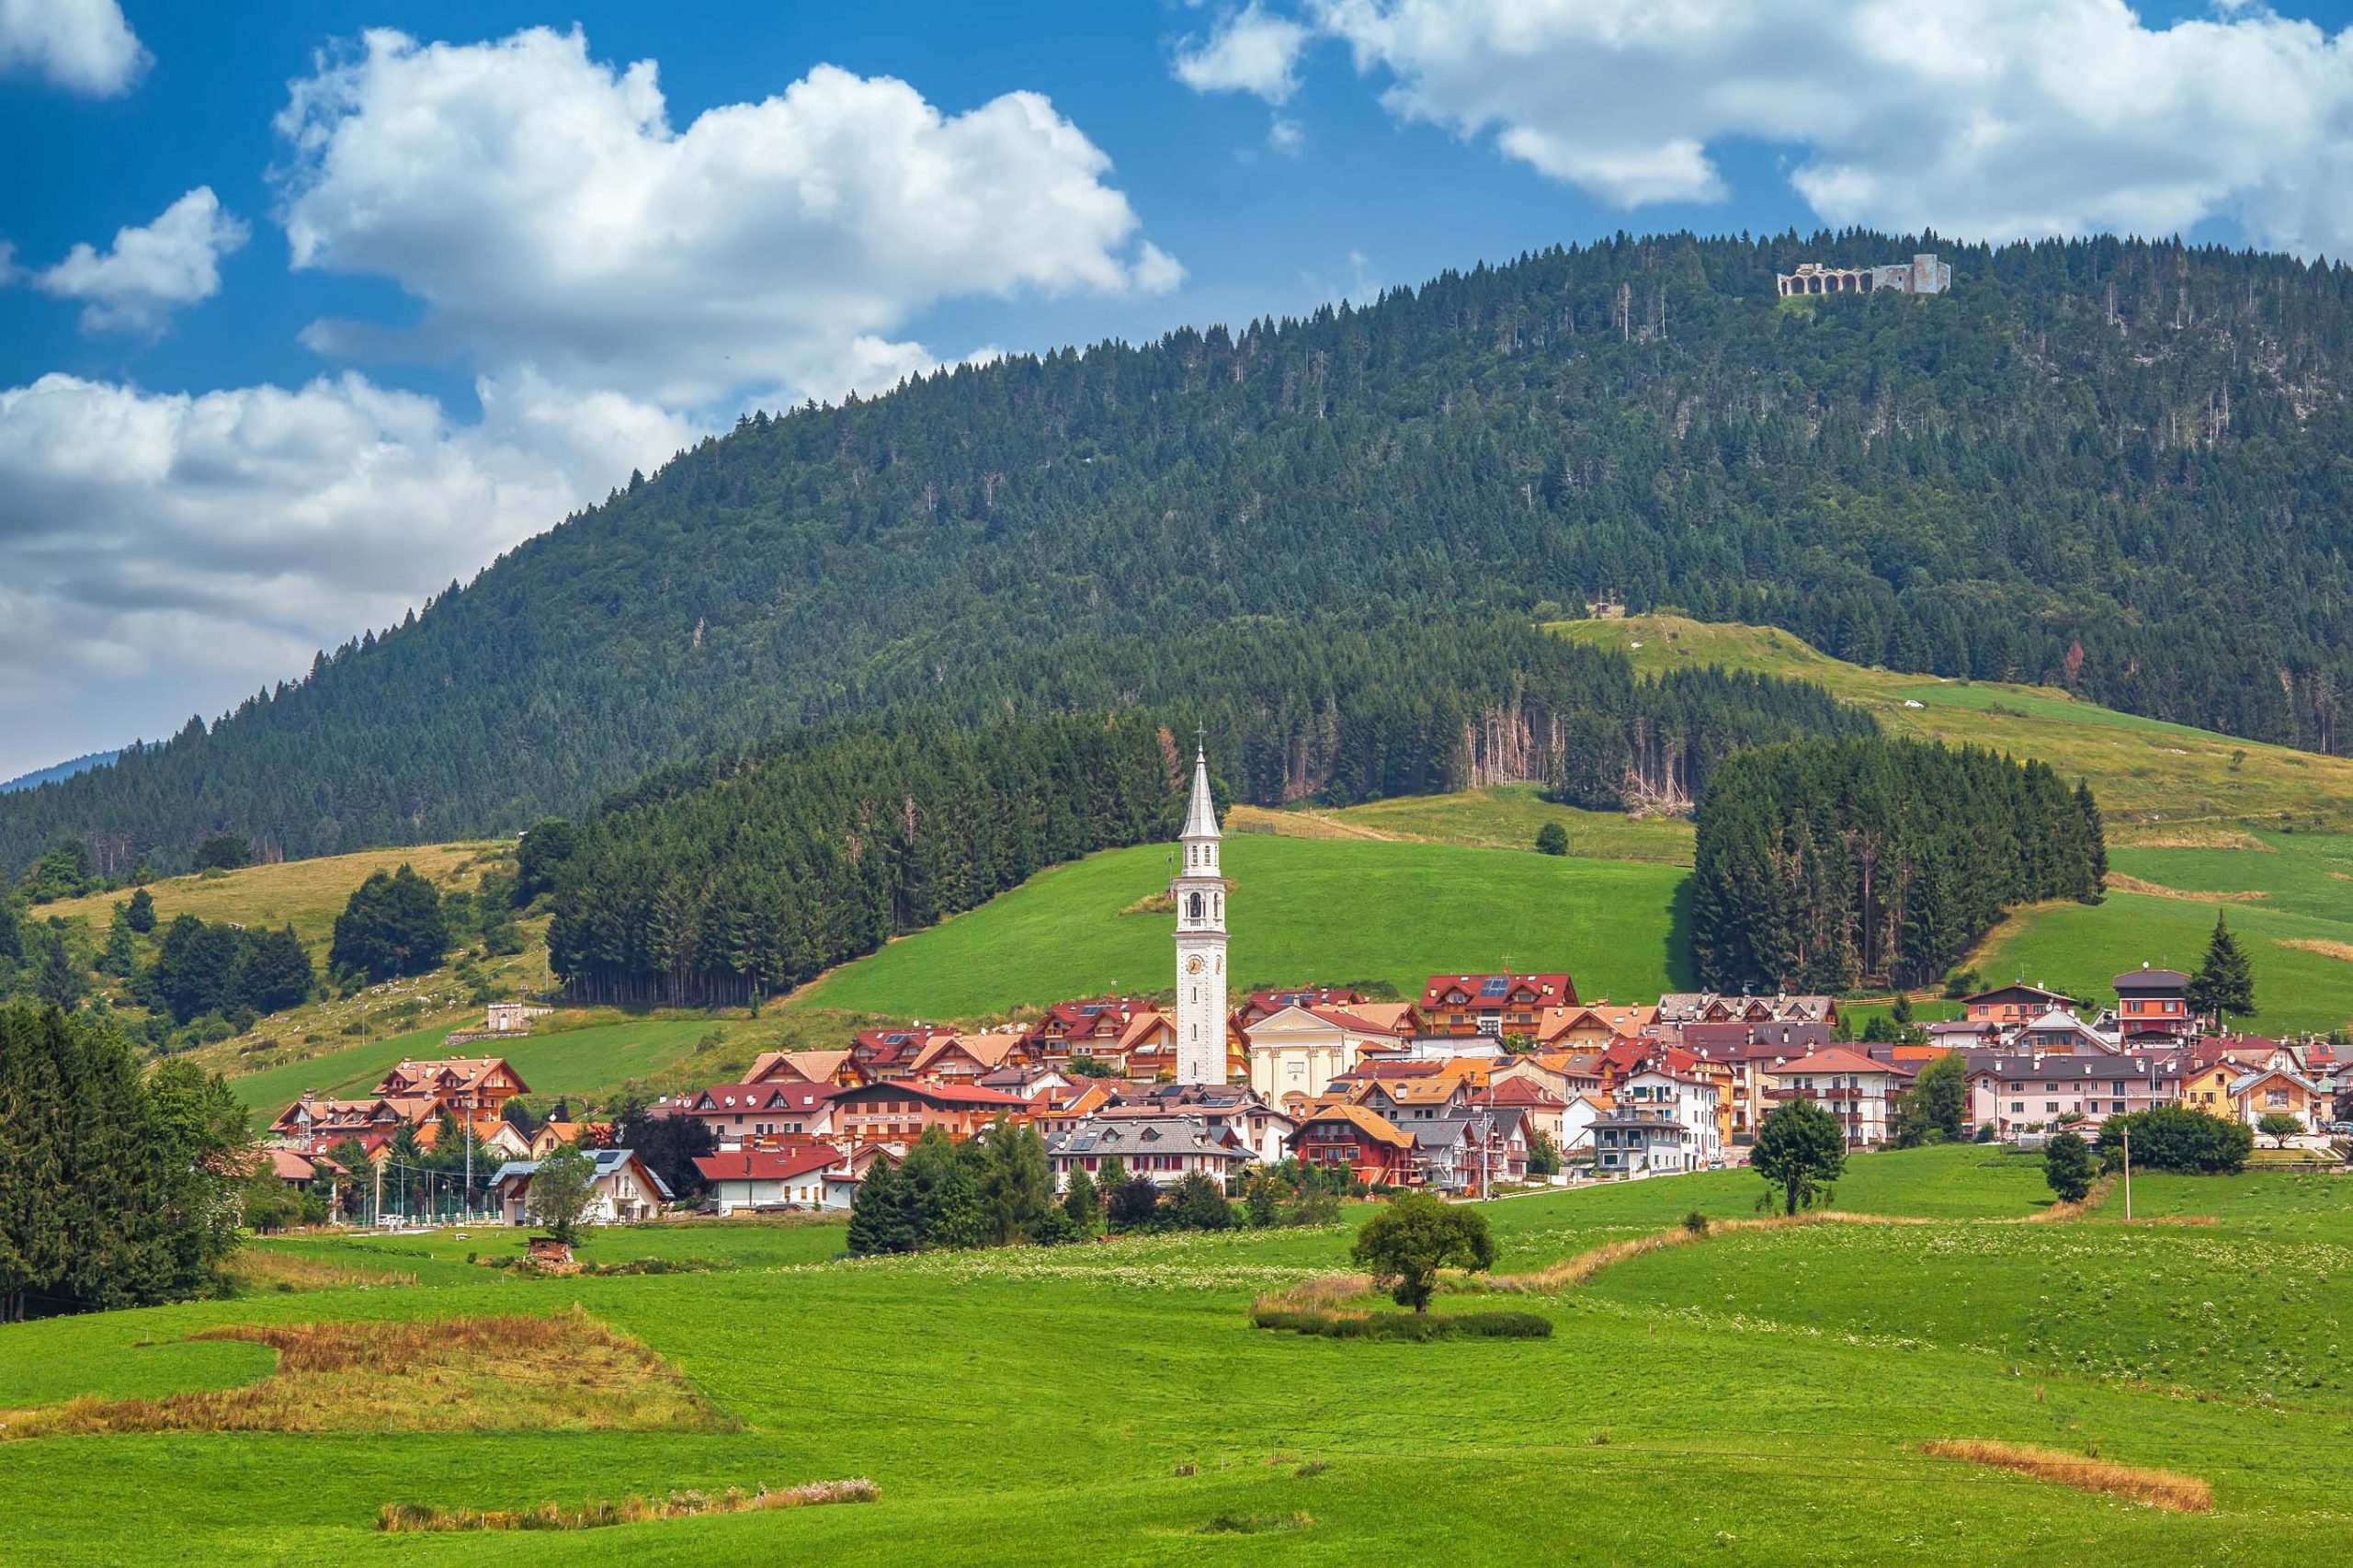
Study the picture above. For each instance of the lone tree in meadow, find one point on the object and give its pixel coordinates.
(1552, 839)
(2279, 1126)
(2225, 983)
(1406, 1243)
(1800, 1152)
(139, 912)
(561, 1192)
(2068, 1166)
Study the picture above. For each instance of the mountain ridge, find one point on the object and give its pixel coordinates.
(2077, 469)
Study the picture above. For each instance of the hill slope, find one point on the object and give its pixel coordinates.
(1303, 912)
(2155, 781)
(2080, 467)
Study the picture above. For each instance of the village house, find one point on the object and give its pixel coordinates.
(838, 1068)
(2153, 1007)
(1467, 1006)
(2060, 1032)
(313, 1119)
(1364, 1142)
(2207, 1088)
(623, 1191)
(551, 1135)
(1163, 1149)
(896, 1114)
(887, 1055)
(1577, 1119)
(759, 1180)
(736, 1114)
(1688, 1097)
(2020, 1092)
(2280, 1091)
(1858, 1090)
(1630, 1141)
(1678, 1008)
(969, 1058)
(1229, 1110)
(456, 1083)
(2007, 1006)
(1469, 1150)
(1592, 1026)
(494, 1138)
(1542, 1109)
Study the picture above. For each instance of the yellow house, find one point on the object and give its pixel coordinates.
(2209, 1089)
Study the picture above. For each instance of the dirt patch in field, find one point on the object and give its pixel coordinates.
(568, 1372)
(411, 1519)
(2129, 838)
(2118, 882)
(2157, 1488)
(2322, 945)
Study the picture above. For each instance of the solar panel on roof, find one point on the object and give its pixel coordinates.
(1494, 985)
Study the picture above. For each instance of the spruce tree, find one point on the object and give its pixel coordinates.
(139, 912)
(2224, 983)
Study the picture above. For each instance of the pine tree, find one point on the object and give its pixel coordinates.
(139, 913)
(2224, 983)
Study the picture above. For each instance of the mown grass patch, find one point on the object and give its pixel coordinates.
(2158, 1488)
(567, 1372)
(415, 1518)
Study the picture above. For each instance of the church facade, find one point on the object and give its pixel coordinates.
(1199, 890)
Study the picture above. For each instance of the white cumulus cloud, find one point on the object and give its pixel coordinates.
(1250, 50)
(84, 46)
(149, 272)
(1990, 119)
(543, 207)
(216, 541)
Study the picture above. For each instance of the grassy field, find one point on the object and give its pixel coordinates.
(1304, 911)
(1503, 818)
(1759, 1397)
(2155, 780)
(2289, 899)
(594, 1053)
(305, 894)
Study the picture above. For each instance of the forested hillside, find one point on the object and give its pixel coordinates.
(2111, 466)
(730, 879)
(1824, 863)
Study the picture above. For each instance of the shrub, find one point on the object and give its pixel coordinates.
(1415, 1327)
(1696, 1222)
(2176, 1137)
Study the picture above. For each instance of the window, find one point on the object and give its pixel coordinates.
(2051, 1107)
(2018, 1107)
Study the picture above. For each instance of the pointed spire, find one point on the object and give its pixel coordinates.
(1201, 812)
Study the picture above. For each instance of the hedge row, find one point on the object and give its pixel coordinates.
(1414, 1326)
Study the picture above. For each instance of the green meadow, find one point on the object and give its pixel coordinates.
(1302, 912)
(1755, 1397)
(583, 1059)
(2288, 897)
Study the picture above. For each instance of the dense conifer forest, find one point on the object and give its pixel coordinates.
(1823, 863)
(2108, 465)
(730, 878)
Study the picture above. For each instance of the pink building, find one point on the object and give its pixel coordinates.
(2016, 1093)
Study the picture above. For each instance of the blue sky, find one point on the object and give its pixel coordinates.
(308, 366)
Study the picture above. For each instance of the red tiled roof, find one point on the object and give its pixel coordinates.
(767, 1165)
(1551, 990)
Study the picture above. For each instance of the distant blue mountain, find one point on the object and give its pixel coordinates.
(62, 770)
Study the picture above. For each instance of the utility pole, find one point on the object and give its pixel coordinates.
(2128, 1174)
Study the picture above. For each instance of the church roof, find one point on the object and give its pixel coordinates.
(1201, 812)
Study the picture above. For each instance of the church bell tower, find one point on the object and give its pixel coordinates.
(1199, 892)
